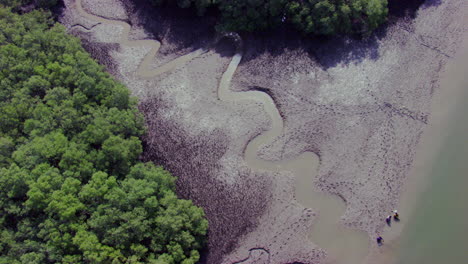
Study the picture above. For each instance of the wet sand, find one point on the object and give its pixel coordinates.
(433, 203)
(343, 245)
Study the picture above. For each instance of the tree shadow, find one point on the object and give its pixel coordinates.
(328, 52)
(225, 47)
(176, 28)
(325, 51)
(429, 3)
(181, 30)
(409, 8)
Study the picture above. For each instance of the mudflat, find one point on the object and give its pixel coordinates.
(433, 198)
(356, 106)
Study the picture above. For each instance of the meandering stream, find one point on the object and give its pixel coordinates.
(344, 245)
(144, 70)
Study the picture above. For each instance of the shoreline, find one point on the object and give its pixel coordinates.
(444, 104)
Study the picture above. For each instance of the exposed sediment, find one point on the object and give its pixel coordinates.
(198, 138)
(361, 109)
(360, 106)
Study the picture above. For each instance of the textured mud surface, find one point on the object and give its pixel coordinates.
(360, 105)
(362, 110)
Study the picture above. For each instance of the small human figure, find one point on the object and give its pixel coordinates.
(396, 216)
(380, 240)
(388, 220)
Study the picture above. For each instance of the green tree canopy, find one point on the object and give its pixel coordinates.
(18, 3)
(322, 17)
(71, 187)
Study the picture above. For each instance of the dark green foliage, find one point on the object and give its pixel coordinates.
(17, 3)
(250, 15)
(337, 16)
(323, 17)
(71, 187)
(12, 3)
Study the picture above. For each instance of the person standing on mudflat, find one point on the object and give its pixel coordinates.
(388, 220)
(380, 240)
(396, 216)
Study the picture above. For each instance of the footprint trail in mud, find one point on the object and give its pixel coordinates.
(344, 246)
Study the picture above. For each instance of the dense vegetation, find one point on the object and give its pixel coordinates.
(18, 3)
(324, 17)
(71, 187)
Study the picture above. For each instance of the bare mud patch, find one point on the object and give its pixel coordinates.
(111, 9)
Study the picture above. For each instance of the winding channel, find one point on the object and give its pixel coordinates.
(344, 245)
(144, 69)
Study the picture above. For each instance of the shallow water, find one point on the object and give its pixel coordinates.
(344, 245)
(437, 229)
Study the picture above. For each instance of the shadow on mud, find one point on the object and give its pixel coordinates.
(408, 8)
(330, 51)
(226, 47)
(177, 29)
(181, 31)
